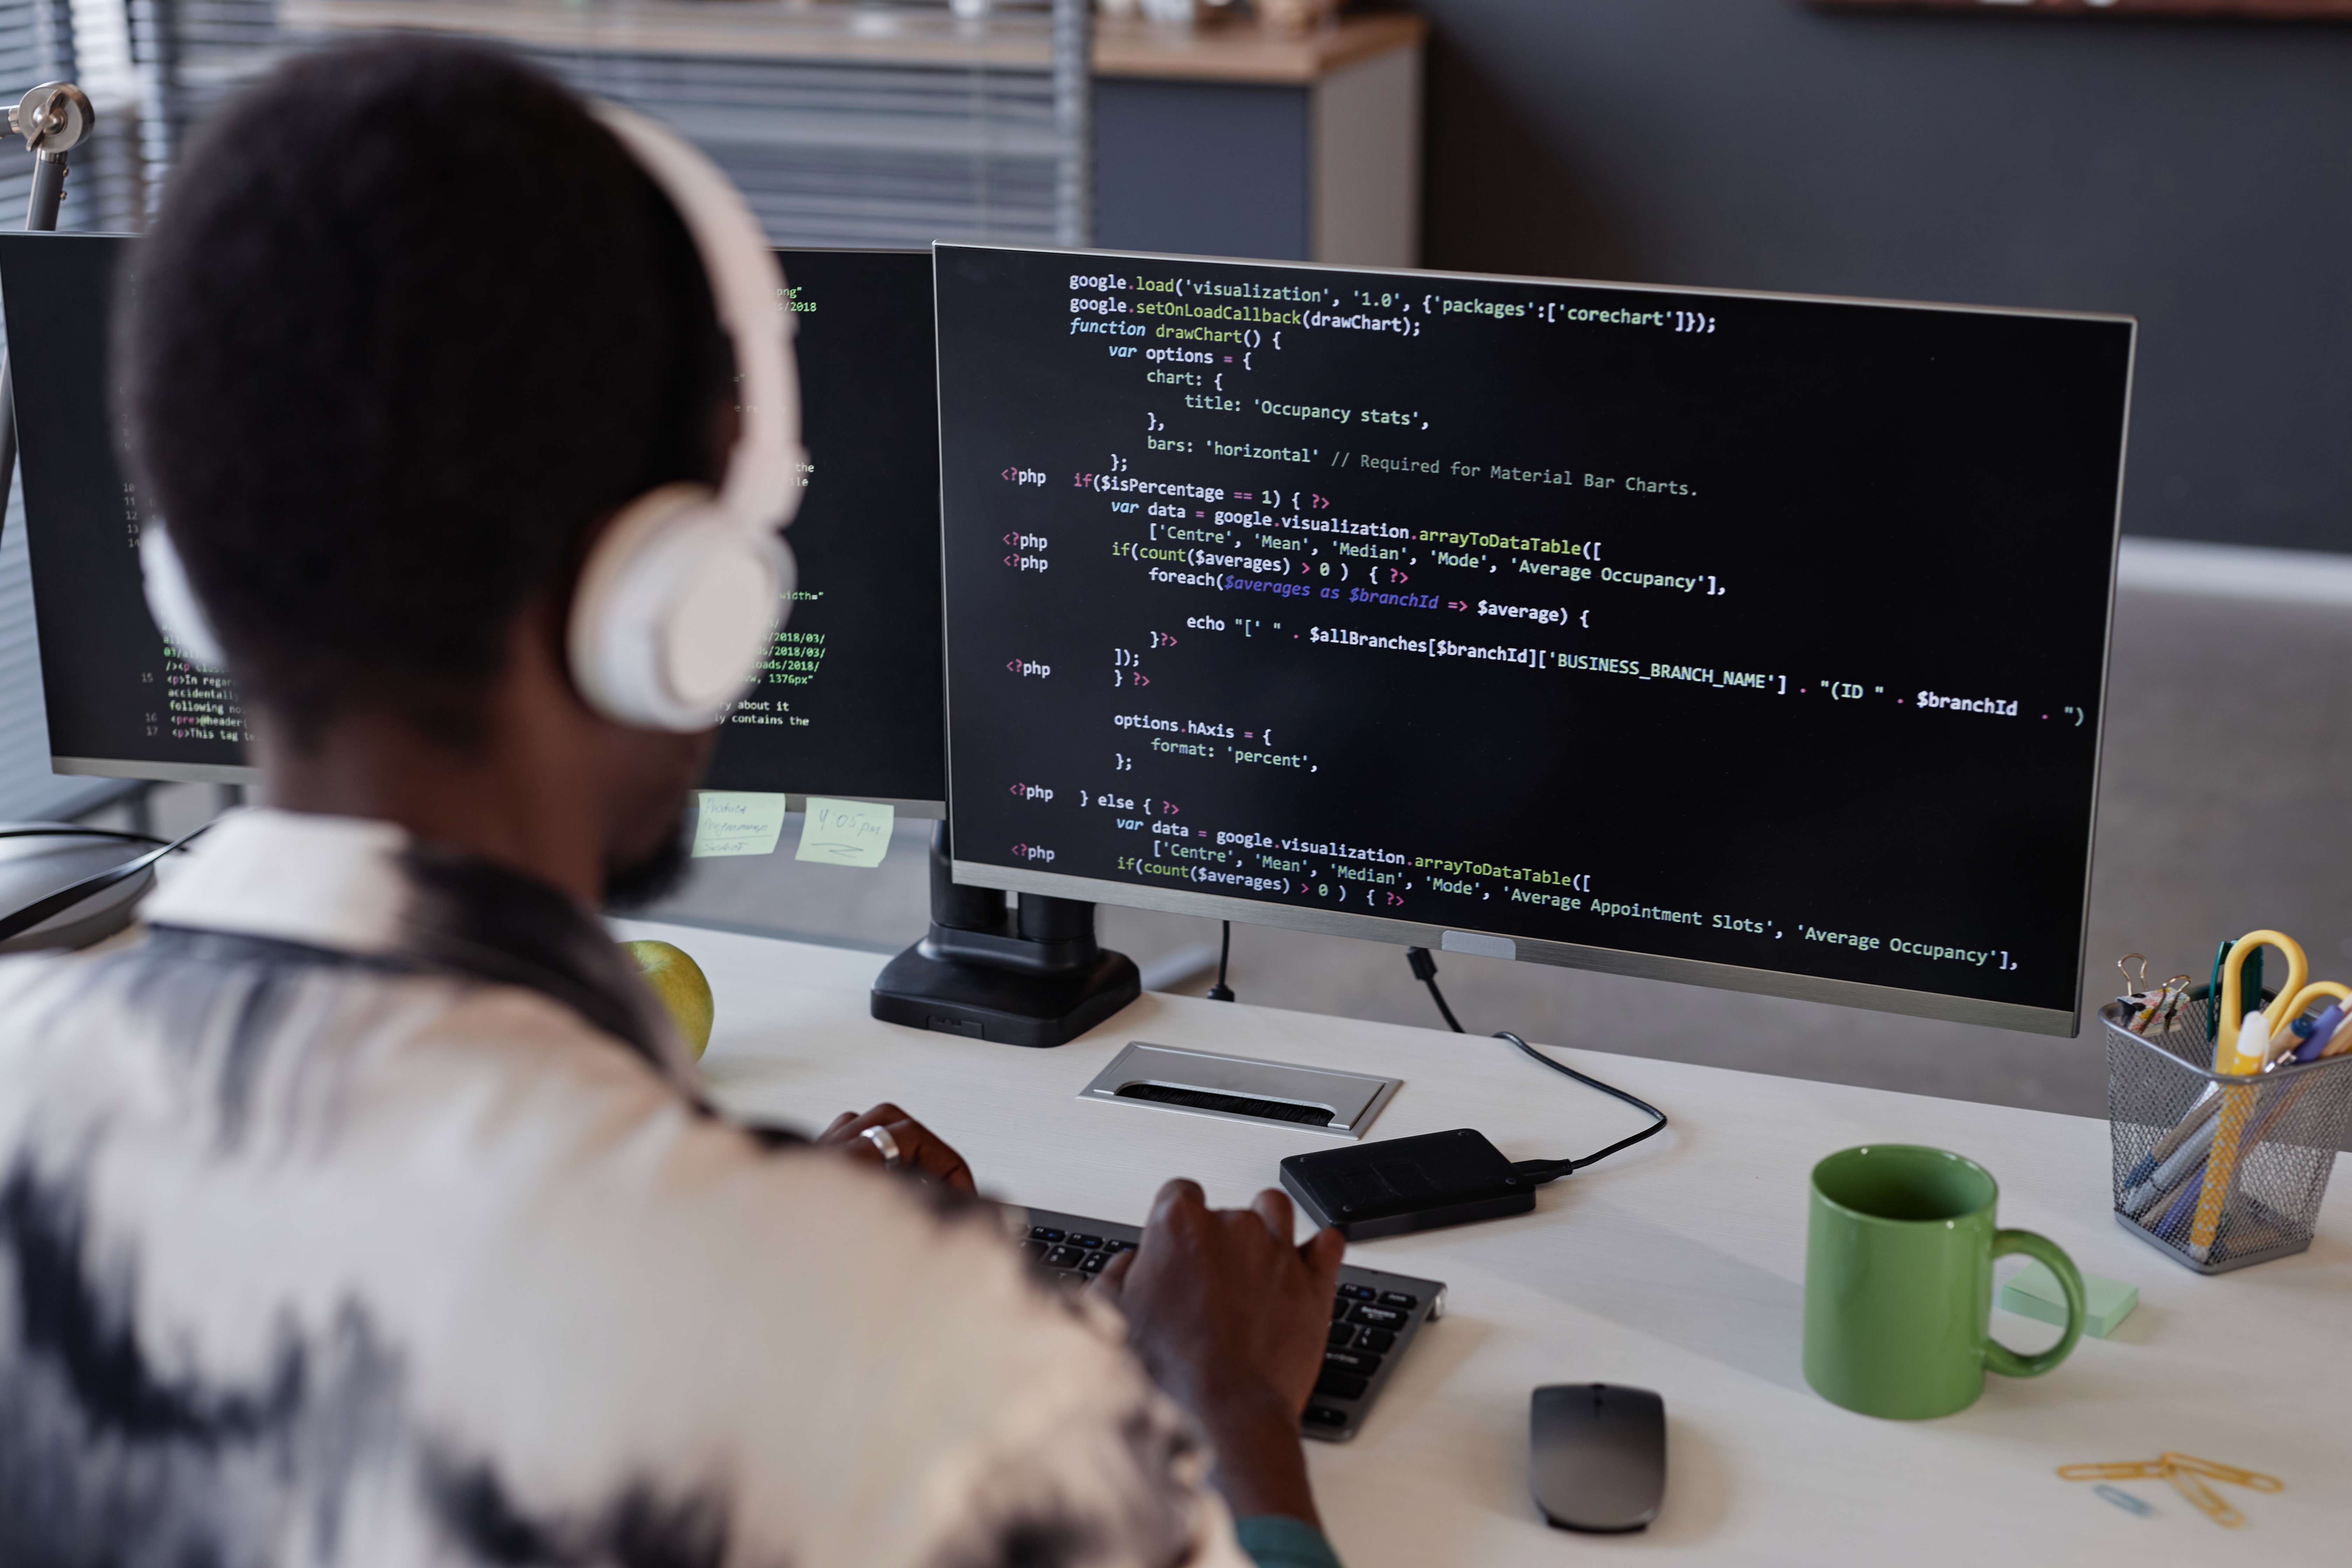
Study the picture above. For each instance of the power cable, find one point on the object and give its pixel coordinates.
(1535, 1173)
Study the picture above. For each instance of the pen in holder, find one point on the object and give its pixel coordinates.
(2254, 1153)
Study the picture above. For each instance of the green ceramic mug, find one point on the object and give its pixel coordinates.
(1898, 1283)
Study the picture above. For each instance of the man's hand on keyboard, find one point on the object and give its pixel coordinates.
(1230, 1317)
(921, 1151)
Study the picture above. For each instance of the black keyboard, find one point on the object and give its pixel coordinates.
(1374, 1316)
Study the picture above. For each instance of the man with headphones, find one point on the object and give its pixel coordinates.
(361, 1209)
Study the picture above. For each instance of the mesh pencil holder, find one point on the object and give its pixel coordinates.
(2218, 1172)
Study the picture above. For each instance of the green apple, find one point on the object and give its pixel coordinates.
(678, 981)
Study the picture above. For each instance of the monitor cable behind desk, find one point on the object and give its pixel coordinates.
(1221, 992)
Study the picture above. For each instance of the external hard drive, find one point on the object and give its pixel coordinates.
(1402, 1185)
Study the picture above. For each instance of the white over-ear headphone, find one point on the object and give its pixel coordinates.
(681, 595)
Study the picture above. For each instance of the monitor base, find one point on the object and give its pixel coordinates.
(1006, 1005)
(1035, 977)
(39, 860)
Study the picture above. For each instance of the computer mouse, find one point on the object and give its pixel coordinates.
(1597, 1458)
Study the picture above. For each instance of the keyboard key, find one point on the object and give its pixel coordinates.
(1363, 1361)
(1325, 1416)
(1067, 1257)
(1094, 1243)
(1338, 1308)
(1033, 1250)
(1042, 1233)
(1358, 1292)
(1340, 1385)
(1343, 1334)
(1399, 1301)
(1370, 1317)
(1374, 1340)
(1115, 1248)
(1093, 1263)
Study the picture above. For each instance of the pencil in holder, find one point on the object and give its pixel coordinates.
(2213, 1170)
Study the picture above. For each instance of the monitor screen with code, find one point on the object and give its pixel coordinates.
(850, 701)
(1750, 640)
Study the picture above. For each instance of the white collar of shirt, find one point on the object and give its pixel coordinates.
(324, 881)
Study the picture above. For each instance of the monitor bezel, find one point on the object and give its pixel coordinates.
(158, 773)
(2062, 1023)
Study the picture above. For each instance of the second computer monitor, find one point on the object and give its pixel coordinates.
(121, 702)
(1748, 640)
(849, 704)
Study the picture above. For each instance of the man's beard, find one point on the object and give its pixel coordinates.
(650, 877)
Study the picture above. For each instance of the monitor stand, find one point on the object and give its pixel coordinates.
(1035, 978)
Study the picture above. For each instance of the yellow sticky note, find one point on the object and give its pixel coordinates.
(737, 822)
(844, 832)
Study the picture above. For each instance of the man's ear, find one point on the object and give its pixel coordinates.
(546, 625)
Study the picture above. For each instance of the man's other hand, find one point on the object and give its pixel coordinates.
(1231, 1319)
(921, 1151)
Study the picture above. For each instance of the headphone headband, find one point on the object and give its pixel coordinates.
(678, 603)
(762, 484)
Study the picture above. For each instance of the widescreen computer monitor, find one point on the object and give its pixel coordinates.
(1750, 640)
(850, 702)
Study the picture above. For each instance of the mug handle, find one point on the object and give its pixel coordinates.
(1998, 1357)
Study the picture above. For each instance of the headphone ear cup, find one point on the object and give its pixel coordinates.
(675, 612)
(172, 599)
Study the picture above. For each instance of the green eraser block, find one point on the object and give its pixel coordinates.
(2036, 1294)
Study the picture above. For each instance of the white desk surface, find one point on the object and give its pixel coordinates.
(1676, 1265)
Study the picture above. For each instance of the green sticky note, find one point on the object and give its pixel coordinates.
(737, 822)
(844, 832)
(2034, 1294)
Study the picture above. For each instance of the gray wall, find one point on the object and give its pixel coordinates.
(2195, 176)
(1202, 168)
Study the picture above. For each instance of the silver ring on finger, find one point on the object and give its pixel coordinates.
(888, 1146)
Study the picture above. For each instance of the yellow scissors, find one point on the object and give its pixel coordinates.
(2245, 1044)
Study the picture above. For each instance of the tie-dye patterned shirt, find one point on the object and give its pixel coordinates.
(360, 1209)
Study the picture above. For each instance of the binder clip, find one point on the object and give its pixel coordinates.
(2149, 1009)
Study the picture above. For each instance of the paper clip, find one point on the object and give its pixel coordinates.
(2186, 1473)
(2124, 1500)
(2140, 1470)
(2253, 1480)
(2214, 1506)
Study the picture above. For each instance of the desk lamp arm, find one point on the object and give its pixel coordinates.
(54, 118)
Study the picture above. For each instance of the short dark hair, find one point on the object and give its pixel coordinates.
(409, 325)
